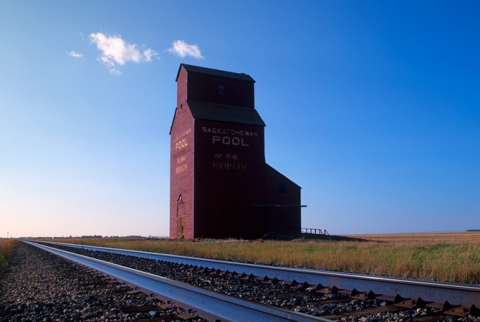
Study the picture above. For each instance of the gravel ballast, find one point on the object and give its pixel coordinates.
(39, 286)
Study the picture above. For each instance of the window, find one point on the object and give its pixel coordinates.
(221, 90)
(281, 187)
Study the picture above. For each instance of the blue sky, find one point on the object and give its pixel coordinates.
(372, 107)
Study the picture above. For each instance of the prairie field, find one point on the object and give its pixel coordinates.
(6, 248)
(448, 257)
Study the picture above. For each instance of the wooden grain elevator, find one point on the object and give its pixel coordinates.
(220, 184)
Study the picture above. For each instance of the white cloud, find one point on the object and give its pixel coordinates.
(74, 54)
(182, 49)
(114, 71)
(149, 53)
(116, 51)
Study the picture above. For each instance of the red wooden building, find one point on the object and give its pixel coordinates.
(220, 185)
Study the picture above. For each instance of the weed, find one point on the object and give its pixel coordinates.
(6, 248)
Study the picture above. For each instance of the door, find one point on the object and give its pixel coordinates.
(180, 220)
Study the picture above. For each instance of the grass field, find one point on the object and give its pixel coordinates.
(449, 257)
(6, 248)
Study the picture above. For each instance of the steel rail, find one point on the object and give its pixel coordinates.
(215, 304)
(432, 291)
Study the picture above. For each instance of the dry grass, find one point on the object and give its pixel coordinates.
(426, 238)
(450, 257)
(6, 248)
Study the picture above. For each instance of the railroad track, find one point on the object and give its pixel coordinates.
(323, 294)
(196, 302)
